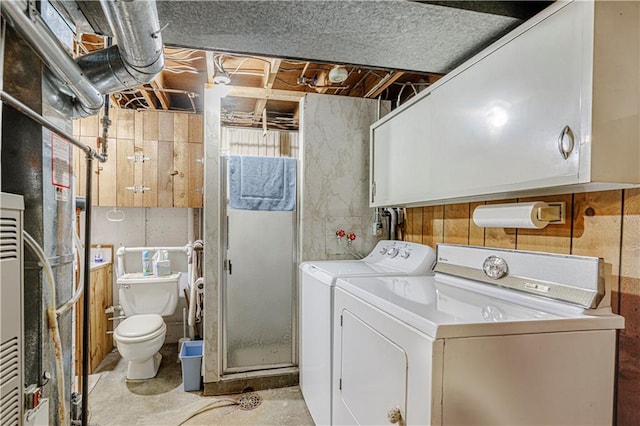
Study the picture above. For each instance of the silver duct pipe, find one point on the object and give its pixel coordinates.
(136, 59)
(30, 25)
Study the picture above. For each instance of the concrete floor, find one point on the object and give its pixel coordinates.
(161, 401)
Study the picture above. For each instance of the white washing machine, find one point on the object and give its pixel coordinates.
(317, 282)
(496, 337)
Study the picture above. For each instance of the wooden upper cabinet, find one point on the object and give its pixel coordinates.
(155, 159)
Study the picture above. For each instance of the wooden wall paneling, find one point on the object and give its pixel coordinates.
(500, 237)
(107, 178)
(108, 290)
(180, 127)
(456, 224)
(150, 125)
(114, 117)
(125, 126)
(165, 126)
(628, 389)
(597, 226)
(196, 174)
(181, 178)
(91, 141)
(165, 177)
(285, 144)
(196, 128)
(90, 126)
(138, 126)
(100, 343)
(150, 173)
(138, 151)
(125, 173)
(432, 225)
(413, 225)
(476, 233)
(553, 238)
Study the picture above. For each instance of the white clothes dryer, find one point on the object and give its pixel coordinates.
(317, 281)
(496, 337)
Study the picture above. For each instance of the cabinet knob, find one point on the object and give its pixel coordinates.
(394, 415)
(566, 142)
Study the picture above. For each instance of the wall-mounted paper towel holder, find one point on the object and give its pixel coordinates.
(533, 215)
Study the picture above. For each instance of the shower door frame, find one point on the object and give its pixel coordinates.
(224, 233)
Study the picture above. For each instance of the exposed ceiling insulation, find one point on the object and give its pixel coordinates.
(389, 48)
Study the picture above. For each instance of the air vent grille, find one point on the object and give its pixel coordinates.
(9, 370)
(8, 238)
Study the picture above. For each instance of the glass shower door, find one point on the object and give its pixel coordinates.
(259, 290)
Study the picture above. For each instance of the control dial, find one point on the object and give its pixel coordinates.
(393, 252)
(494, 267)
(405, 254)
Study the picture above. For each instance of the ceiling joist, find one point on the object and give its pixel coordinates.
(268, 94)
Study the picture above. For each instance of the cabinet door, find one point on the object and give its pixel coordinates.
(399, 153)
(497, 123)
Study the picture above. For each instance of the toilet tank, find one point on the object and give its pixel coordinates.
(148, 294)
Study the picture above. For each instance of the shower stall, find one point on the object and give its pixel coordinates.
(258, 256)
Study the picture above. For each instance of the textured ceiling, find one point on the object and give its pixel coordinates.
(392, 34)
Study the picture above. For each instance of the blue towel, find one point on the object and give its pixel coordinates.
(262, 183)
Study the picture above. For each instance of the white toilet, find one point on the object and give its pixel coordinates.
(144, 300)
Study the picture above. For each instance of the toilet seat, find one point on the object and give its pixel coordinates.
(139, 328)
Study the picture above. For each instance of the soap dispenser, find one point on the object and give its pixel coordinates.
(97, 257)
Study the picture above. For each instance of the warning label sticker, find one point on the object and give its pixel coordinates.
(60, 162)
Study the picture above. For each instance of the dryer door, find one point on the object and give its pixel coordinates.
(380, 365)
(374, 372)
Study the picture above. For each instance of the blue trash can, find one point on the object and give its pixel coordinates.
(191, 358)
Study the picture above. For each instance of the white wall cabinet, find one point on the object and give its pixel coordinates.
(550, 108)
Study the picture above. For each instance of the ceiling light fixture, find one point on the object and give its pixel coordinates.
(338, 74)
(221, 77)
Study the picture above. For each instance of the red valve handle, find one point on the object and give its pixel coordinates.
(352, 236)
(340, 233)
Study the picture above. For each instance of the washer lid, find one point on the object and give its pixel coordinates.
(140, 325)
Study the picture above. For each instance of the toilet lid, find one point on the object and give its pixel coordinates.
(140, 325)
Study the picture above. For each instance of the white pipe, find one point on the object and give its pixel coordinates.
(80, 286)
(53, 324)
(193, 300)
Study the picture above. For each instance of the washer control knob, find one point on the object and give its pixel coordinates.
(383, 250)
(393, 252)
(405, 254)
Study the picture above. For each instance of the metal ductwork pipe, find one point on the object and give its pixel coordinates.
(135, 60)
(30, 25)
(137, 57)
